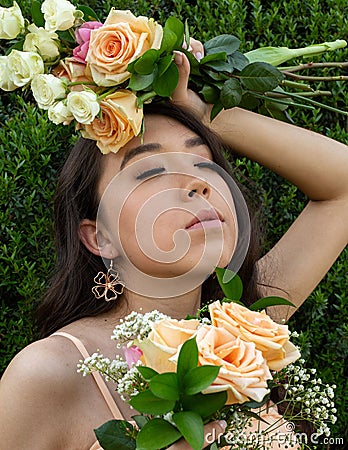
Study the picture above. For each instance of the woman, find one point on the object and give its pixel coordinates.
(45, 404)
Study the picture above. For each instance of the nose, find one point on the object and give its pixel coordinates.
(197, 187)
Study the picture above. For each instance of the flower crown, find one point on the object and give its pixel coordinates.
(100, 74)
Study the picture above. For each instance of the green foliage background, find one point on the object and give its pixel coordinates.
(32, 150)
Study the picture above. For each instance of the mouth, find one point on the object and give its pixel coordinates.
(205, 218)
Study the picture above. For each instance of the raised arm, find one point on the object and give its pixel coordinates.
(316, 164)
(319, 167)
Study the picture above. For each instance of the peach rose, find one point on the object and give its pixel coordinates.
(75, 72)
(121, 40)
(120, 121)
(163, 342)
(243, 373)
(271, 338)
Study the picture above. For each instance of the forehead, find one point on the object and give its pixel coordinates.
(162, 134)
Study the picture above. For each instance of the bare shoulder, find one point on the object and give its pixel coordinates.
(38, 390)
(44, 361)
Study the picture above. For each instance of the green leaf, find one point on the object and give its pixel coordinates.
(215, 75)
(260, 77)
(223, 43)
(140, 82)
(165, 385)
(249, 101)
(220, 66)
(147, 372)
(164, 63)
(148, 403)
(165, 85)
(254, 404)
(231, 93)
(191, 427)
(205, 404)
(218, 106)
(177, 27)
(230, 283)
(66, 36)
(210, 93)
(140, 420)
(112, 435)
(279, 55)
(194, 63)
(269, 301)
(168, 41)
(157, 433)
(238, 60)
(187, 360)
(214, 57)
(36, 14)
(199, 378)
(88, 14)
(145, 65)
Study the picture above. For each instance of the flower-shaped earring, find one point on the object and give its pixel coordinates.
(109, 285)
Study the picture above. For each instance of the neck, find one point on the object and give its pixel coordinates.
(176, 307)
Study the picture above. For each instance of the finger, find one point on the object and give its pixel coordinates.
(183, 65)
(212, 432)
(197, 48)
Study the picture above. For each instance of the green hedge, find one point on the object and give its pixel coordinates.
(33, 150)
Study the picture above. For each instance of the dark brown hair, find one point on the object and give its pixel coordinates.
(69, 295)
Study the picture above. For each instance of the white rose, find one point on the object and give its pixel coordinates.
(47, 89)
(43, 42)
(84, 106)
(58, 14)
(5, 81)
(60, 113)
(23, 66)
(11, 22)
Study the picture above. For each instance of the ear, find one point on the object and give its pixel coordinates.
(95, 241)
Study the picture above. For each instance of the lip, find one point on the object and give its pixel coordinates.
(205, 218)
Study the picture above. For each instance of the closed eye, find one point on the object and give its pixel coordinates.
(210, 165)
(150, 173)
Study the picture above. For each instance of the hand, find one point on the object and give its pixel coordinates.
(212, 431)
(182, 96)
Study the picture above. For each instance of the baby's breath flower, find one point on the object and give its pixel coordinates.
(136, 326)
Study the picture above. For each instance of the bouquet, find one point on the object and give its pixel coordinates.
(181, 374)
(98, 74)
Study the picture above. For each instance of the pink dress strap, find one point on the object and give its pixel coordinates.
(96, 375)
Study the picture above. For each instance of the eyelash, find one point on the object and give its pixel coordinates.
(208, 165)
(150, 173)
(157, 170)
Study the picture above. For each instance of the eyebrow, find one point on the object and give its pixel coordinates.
(151, 147)
(144, 148)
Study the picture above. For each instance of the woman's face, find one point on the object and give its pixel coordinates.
(166, 209)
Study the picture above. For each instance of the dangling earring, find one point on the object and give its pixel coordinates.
(109, 285)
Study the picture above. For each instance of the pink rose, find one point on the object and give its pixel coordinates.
(83, 35)
(132, 355)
